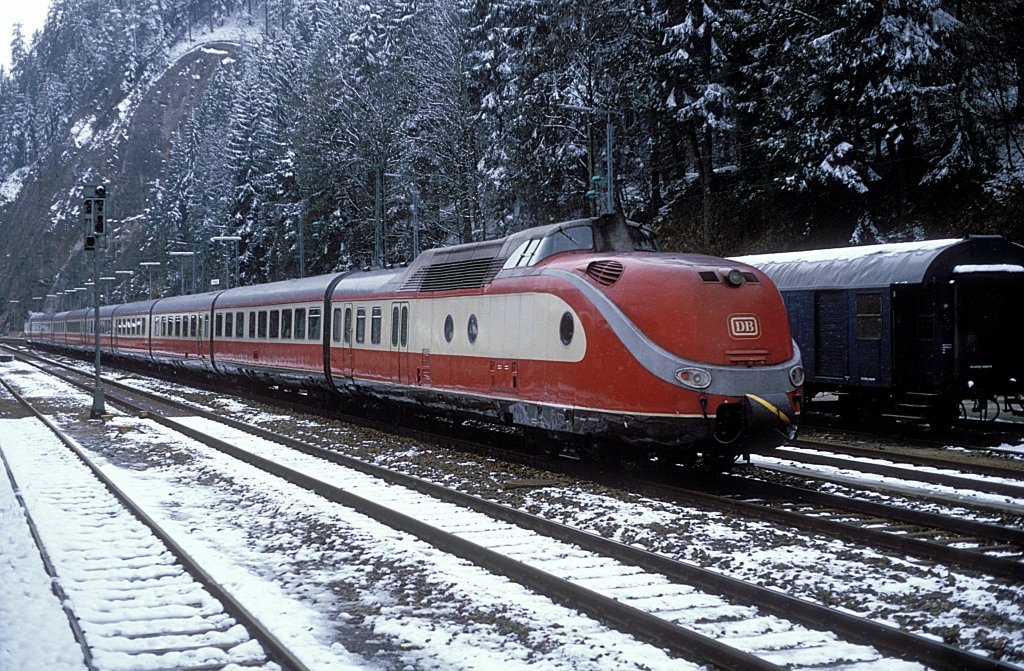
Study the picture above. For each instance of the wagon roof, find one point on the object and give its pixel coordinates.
(288, 291)
(190, 303)
(884, 265)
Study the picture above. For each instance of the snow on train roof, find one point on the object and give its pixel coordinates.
(868, 265)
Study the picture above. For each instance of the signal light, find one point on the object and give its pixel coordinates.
(97, 224)
(101, 191)
(90, 243)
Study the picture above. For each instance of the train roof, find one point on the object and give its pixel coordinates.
(885, 265)
(474, 264)
(304, 289)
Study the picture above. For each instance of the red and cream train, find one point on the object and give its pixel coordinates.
(580, 327)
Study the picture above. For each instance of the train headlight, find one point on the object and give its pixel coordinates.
(734, 278)
(694, 377)
(796, 376)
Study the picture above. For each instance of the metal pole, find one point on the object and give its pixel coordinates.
(98, 407)
(378, 233)
(415, 190)
(609, 166)
(302, 247)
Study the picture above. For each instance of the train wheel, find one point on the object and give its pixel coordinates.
(980, 409)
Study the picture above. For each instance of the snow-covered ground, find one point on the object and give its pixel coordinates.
(364, 596)
(369, 595)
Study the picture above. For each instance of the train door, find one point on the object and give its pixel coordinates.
(204, 336)
(402, 367)
(343, 318)
(987, 330)
(831, 316)
(870, 347)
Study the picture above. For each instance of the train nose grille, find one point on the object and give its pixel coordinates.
(747, 357)
(605, 273)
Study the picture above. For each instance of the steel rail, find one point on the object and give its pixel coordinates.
(273, 645)
(760, 488)
(902, 458)
(955, 481)
(888, 639)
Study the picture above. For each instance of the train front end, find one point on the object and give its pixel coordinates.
(698, 346)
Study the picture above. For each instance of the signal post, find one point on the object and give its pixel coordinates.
(94, 217)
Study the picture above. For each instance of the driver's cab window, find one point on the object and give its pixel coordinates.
(531, 252)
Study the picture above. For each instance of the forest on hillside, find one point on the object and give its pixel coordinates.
(739, 125)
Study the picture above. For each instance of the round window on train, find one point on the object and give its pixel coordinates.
(473, 329)
(566, 328)
(449, 328)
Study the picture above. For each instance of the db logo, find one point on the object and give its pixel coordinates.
(744, 326)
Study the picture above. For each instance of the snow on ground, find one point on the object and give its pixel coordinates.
(328, 579)
(34, 631)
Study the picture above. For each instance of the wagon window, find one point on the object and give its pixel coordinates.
(300, 323)
(261, 324)
(206, 326)
(336, 325)
(394, 326)
(143, 325)
(361, 325)
(377, 318)
(405, 325)
(239, 324)
(275, 323)
(348, 326)
(229, 324)
(193, 325)
(286, 323)
(177, 326)
(252, 324)
(314, 324)
(869, 316)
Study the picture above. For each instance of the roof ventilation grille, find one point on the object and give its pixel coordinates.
(605, 273)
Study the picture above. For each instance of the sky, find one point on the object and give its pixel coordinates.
(30, 13)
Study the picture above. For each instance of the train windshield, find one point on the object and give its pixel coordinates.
(535, 250)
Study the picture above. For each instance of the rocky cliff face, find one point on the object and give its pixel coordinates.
(126, 148)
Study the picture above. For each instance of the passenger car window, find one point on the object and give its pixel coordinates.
(336, 325)
(261, 324)
(314, 324)
(300, 323)
(275, 323)
(376, 320)
(229, 324)
(360, 325)
(286, 323)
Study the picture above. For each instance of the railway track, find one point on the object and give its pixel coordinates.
(943, 538)
(133, 597)
(636, 591)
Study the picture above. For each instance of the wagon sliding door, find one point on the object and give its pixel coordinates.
(401, 363)
(831, 336)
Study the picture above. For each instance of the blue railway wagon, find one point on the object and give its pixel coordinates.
(910, 329)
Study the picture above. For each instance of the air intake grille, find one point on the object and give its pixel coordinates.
(469, 274)
(605, 273)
